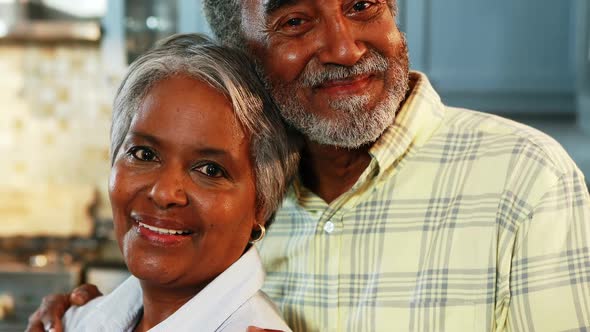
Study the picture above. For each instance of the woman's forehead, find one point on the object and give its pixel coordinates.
(187, 110)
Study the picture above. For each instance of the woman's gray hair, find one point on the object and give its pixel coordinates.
(273, 147)
(225, 20)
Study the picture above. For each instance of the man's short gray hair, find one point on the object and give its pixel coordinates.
(225, 19)
(273, 148)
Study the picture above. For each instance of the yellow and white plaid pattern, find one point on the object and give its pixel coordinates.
(463, 221)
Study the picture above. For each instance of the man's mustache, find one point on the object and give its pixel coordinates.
(315, 74)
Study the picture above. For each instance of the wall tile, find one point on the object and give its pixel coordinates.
(54, 130)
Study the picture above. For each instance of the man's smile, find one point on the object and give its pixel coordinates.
(351, 85)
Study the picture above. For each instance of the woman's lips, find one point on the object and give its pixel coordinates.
(164, 230)
(160, 238)
(161, 231)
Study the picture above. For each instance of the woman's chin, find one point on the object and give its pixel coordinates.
(158, 278)
(154, 270)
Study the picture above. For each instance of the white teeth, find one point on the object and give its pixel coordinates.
(163, 230)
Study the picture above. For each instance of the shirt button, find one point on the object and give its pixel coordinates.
(329, 227)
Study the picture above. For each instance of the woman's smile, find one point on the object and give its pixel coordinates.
(160, 231)
(163, 230)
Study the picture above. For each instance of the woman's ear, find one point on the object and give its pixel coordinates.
(260, 213)
(257, 233)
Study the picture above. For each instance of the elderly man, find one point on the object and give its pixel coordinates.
(408, 215)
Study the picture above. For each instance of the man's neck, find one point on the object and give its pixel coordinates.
(330, 171)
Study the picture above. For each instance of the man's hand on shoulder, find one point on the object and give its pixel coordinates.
(48, 316)
(258, 329)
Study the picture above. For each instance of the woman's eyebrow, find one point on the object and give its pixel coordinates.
(147, 137)
(200, 149)
(211, 151)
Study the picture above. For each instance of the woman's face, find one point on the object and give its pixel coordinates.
(182, 187)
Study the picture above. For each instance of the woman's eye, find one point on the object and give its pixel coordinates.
(210, 170)
(143, 153)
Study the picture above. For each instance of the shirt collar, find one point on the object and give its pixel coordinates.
(224, 295)
(205, 312)
(415, 122)
(128, 296)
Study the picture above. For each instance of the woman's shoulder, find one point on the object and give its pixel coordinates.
(258, 311)
(114, 311)
(84, 316)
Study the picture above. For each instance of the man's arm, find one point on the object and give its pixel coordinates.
(48, 316)
(550, 271)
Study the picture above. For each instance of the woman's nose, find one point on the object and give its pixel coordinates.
(169, 190)
(340, 46)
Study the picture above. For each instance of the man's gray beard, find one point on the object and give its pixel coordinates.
(354, 125)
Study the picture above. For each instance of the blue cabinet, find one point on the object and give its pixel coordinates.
(132, 26)
(583, 64)
(501, 56)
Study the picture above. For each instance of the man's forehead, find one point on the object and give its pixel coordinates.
(270, 6)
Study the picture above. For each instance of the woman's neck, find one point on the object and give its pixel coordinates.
(160, 303)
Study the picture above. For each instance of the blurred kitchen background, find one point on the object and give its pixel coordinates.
(61, 62)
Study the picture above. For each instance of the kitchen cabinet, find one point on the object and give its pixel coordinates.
(27, 285)
(503, 56)
(132, 26)
(583, 64)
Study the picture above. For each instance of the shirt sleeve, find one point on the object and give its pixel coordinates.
(550, 267)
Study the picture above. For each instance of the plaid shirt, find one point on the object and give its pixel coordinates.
(463, 221)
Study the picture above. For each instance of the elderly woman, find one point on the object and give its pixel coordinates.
(200, 162)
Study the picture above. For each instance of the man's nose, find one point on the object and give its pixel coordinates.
(339, 43)
(169, 189)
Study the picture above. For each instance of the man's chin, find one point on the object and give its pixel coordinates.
(349, 130)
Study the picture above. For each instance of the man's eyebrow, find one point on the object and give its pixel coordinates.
(272, 6)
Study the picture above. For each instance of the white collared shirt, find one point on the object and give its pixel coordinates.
(231, 302)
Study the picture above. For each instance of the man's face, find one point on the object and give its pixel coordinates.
(338, 69)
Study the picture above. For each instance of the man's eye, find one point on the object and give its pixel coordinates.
(210, 170)
(293, 22)
(360, 6)
(143, 153)
(367, 9)
(294, 25)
